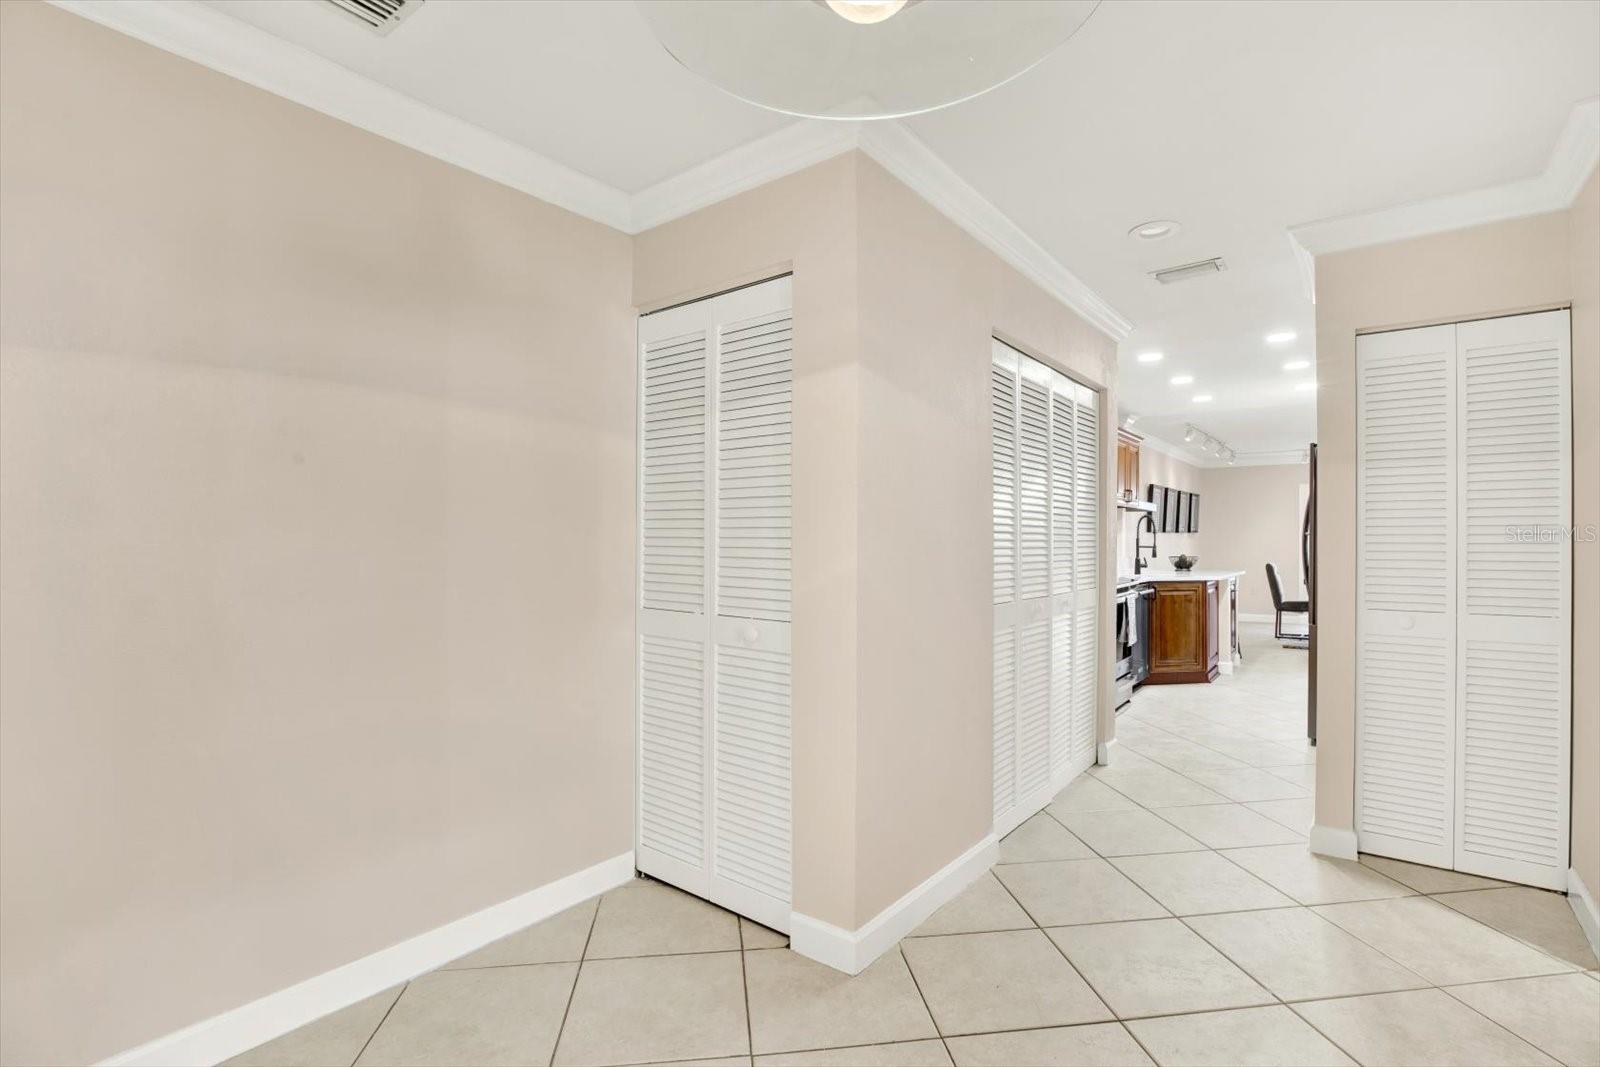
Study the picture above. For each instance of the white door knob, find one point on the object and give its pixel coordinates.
(1407, 622)
(751, 634)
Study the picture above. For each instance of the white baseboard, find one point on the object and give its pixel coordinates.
(1104, 751)
(224, 1036)
(851, 951)
(1333, 841)
(1583, 906)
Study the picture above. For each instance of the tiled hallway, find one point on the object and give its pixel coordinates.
(1162, 909)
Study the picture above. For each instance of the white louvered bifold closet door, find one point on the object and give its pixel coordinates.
(1514, 639)
(714, 786)
(1037, 417)
(1086, 495)
(1405, 589)
(1063, 421)
(1463, 700)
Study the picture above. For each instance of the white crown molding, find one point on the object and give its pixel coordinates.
(240, 1029)
(1571, 162)
(902, 154)
(1182, 453)
(233, 47)
(778, 154)
(230, 46)
(1288, 457)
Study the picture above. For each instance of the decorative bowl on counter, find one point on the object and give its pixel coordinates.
(1183, 563)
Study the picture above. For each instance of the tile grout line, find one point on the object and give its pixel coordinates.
(1280, 1001)
(405, 986)
(1473, 1008)
(744, 984)
(592, 959)
(1063, 954)
(1433, 986)
(1412, 894)
(1319, 1031)
(1496, 929)
(561, 1031)
(937, 1029)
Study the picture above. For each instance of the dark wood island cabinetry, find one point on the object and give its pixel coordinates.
(1184, 632)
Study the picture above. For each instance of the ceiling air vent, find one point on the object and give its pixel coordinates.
(380, 16)
(1189, 270)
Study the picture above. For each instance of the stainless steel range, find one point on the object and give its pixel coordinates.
(1133, 637)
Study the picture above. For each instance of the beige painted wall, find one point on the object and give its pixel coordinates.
(931, 299)
(894, 308)
(1249, 517)
(1583, 236)
(316, 497)
(1160, 468)
(1506, 267)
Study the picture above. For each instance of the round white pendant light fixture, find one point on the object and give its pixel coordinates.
(861, 59)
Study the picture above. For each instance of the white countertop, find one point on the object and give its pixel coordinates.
(1196, 575)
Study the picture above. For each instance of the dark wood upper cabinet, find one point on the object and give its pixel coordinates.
(1128, 465)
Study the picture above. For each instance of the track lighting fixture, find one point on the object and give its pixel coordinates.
(1211, 446)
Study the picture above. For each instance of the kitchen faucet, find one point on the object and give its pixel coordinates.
(1139, 562)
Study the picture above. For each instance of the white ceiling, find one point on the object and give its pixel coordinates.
(581, 81)
(1238, 120)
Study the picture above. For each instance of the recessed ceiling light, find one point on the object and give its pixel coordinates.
(1297, 364)
(1154, 230)
(1182, 379)
(1305, 387)
(1203, 398)
(1151, 357)
(1282, 337)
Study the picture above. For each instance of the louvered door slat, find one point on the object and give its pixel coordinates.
(1033, 467)
(1005, 720)
(1513, 746)
(1464, 595)
(753, 769)
(1063, 422)
(1086, 493)
(1406, 737)
(671, 748)
(1033, 707)
(755, 384)
(716, 520)
(673, 474)
(1044, 682)
(1405, 591)
(1003, 438)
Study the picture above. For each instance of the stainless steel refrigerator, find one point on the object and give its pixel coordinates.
(1308, 558)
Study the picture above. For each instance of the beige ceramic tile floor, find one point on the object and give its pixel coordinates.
(1161, 910)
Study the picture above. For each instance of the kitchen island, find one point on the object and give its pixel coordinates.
(1194, 625)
